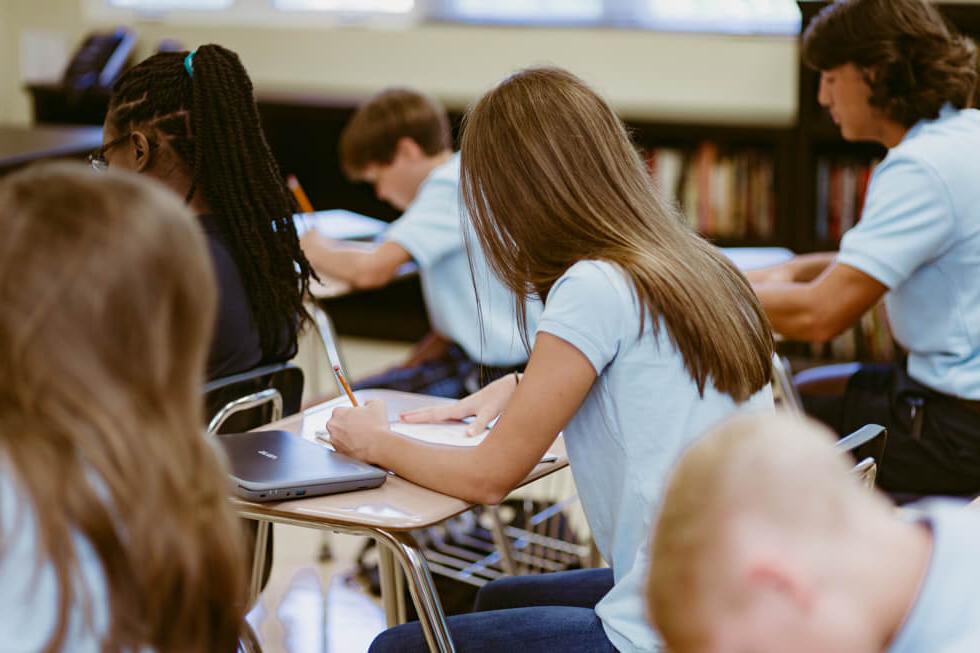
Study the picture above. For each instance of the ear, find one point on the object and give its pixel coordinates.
(782, 582)
(408, 149)
(142, 154)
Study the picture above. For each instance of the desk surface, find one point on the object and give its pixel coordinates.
(21, 145)
(398, 505)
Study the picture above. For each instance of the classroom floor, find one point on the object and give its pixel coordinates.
(310, 606)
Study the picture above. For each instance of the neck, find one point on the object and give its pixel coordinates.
(437, 160)
(904, 552)
(891, 134)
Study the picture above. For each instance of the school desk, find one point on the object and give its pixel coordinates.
(388, 514)
(20, 146)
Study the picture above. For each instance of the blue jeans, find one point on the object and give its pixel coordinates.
(540, 613)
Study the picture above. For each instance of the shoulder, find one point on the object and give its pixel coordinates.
(936, 144)
(601, 277)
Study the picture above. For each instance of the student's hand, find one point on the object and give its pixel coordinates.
(314, 243)
(358, 432)
(482, 406)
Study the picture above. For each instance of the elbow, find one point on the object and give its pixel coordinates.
(488, 492)
(822, 328)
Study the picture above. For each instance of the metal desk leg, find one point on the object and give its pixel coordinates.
(386, 576)
(258, 559)
(424, 596)
(500, 539)
(399, 593)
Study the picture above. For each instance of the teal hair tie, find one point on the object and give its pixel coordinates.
(189, 63)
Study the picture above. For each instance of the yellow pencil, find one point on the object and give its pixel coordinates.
(301, 198)
(346, 386)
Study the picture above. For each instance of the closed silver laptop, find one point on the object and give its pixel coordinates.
(278, 465)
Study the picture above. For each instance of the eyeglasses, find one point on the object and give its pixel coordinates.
(97, 158)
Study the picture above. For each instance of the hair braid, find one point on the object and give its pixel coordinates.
(211, 122)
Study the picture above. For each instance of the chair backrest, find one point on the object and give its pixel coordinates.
(784, 390)
(240, 402)
(328, 336)
(867, 446)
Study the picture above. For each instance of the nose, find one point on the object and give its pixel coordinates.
(823, 92)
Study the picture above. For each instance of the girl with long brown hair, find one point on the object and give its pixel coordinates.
(115, 534)
(649, 335)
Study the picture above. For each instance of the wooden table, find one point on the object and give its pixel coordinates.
(22, 145)
(388, 514)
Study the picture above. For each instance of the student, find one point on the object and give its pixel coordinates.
(766, 542)
(399, 141)
(892, 72)
(189, 120)
(648, 336)
(115, 528)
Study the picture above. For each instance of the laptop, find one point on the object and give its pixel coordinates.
(278, 465)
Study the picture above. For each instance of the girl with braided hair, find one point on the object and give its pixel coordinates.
(190, 121)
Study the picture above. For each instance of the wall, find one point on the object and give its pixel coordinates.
(705, 78)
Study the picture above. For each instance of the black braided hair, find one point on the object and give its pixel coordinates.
(210, 120)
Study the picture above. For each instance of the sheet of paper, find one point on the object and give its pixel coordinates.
(445, 433)
(451, 433)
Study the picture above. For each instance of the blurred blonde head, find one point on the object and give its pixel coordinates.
(108, 307)
(757, 486)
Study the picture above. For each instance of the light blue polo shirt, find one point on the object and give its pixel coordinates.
(642, 412)
(29, 590)
(431, 230)
(946, 615)
(919, 235)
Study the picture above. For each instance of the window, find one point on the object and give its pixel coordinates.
(526, 11)
(348, 6)
(166, 5)
(772, 16)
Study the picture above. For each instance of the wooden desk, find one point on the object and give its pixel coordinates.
(388, 514)
(22, 145)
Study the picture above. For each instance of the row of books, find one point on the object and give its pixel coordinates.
(722, 194)
(841, 187)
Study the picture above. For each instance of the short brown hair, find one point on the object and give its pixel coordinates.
(913, 61)
(373, 133)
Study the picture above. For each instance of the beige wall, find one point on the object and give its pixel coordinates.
(709, 78)
(692, 77)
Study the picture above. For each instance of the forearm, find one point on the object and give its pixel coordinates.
(464, 472)
(793, 311)
(359, 268)
(800, 269)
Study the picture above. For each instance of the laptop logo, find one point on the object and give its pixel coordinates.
(270, 456)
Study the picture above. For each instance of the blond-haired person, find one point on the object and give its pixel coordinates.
(767, 543)
(649, 335)
(115, 534)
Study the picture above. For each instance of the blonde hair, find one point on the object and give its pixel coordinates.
(550, 177)
(108, 307)
(780, 467)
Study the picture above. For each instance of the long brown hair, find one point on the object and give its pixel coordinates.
(108, 306)
(550, 177)
(912, 60)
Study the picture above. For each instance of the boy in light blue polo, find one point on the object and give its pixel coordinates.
(400, 142)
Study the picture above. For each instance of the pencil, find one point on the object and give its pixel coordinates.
(301, 198)
(343, 382)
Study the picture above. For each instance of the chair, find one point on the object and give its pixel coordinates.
(784, 390)
(238, 403)
(867, 446)
(242, 402)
